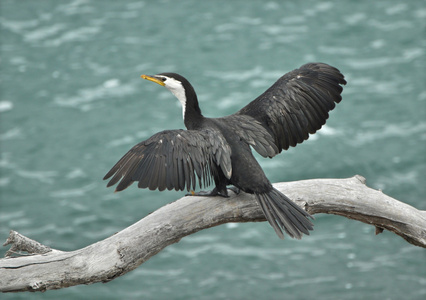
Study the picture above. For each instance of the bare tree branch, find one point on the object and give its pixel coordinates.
(105, 260)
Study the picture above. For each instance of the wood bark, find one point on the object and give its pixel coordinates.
(124, 251)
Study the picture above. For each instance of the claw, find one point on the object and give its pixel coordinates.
(211, 193)
(235, 190)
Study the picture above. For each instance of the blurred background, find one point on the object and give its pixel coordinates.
(72, 103)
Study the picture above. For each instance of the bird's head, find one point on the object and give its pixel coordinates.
(178, 85)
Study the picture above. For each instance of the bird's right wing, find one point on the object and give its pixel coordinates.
(297, 104)
(173, 159)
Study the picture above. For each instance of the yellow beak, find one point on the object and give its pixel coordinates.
(153, 79)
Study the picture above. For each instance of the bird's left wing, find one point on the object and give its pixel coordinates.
(172, 159)
(297, 104)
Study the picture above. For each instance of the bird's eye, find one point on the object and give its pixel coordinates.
(163, 79)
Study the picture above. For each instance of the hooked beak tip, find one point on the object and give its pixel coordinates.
(153, 79)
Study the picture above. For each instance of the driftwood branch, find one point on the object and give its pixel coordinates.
(105, 260)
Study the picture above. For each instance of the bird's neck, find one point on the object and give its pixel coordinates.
(192, 116)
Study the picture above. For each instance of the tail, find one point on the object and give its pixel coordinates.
(282, 213)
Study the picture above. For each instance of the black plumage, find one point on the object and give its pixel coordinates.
(218, 149)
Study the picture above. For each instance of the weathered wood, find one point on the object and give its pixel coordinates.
(126, 250)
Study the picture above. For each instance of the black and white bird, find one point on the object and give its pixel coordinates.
(218, 149)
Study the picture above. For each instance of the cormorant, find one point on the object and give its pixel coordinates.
(219, 148)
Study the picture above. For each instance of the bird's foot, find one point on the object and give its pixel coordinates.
(212, 193)
(235, 190)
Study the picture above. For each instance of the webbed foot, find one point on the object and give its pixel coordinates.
(212, 193)
(234, 189)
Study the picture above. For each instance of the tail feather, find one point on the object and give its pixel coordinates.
(284, 214)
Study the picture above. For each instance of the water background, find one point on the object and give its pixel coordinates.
(72, 103)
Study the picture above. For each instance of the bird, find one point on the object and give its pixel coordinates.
(219, 150)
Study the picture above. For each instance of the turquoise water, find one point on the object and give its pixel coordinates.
(72, 103)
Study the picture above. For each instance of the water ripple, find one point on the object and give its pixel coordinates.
(309, 281)
(110, 88)
(44, 32)
(42, 176)
(79, 34)
(370, 63)
(390, 26)
(76, 7)
(396, 9)
(387, 131)
(11, 134)
(18, 27)
(4, 181)
(5, 106)
(71, 193)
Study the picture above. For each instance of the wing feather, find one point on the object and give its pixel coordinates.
(253, 132)
(297, 104)
(173, 159)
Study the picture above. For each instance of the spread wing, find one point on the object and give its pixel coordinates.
(173, 159)
(297, 104)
